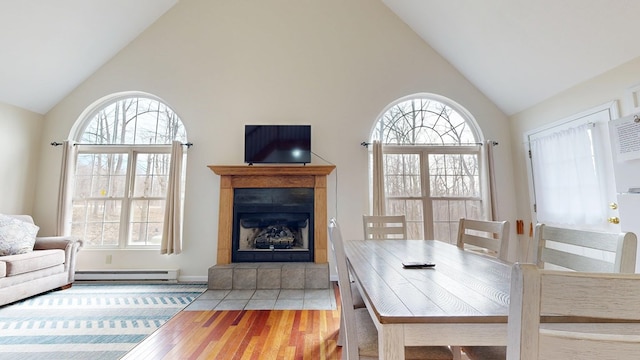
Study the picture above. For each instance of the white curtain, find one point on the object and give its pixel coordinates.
(566, 182)
(379, 201)
(172, 232)
(67, 168)
(491, 172)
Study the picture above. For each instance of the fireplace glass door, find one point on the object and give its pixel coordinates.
(273, 224)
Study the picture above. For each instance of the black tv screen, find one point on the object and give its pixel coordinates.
(277, 144)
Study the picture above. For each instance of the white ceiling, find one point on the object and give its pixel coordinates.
(517, 52)
(521, 52)
(48, 47)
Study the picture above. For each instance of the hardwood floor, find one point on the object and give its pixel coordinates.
(244, 335)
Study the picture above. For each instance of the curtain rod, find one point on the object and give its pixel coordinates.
(366, 144)
(55, 143)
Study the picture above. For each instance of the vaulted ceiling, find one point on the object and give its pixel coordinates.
(49, 47)
(521, 52)
(516, 52)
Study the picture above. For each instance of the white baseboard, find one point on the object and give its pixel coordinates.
(169, 275)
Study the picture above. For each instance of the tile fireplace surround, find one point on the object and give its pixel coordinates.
(272, 176)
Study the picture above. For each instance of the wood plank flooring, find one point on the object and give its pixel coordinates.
(245, 335)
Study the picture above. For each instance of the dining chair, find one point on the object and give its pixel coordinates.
(489, 238)
(545, 305)
(360, 333)
(383, 227)
(598, 251)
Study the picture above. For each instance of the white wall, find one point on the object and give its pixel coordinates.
(610, 86)
(333, 64)
(20, 144)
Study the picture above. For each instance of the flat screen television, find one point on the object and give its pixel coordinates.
(277, 144)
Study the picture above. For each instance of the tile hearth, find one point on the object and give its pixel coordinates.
(269, 276)
(228, 300)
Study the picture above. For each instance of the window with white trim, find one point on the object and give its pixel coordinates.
(121, 174)
(432, 165)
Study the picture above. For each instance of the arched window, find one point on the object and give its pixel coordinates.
(432, 165)
(123, 147)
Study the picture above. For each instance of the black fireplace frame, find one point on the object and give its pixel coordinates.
(252, 202)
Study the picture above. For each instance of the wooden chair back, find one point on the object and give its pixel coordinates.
(621, 245)
(572, 315)
(384, 227)
(348, 317)
(490, 236)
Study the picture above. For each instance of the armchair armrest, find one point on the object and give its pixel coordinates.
(56, 242)
(69, 244)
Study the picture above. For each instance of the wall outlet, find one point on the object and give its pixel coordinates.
(108, 259)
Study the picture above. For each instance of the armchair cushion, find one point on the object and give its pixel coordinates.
(16, 236)
(33, 261)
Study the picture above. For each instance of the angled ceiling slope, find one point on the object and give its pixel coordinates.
(521, 52)
(517, 52)
(50, 47)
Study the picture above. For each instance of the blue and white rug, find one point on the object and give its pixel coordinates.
(89, 321)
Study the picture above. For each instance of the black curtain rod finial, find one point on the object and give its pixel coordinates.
(365, 144)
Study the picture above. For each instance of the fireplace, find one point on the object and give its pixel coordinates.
(273, 225)
(310, 177)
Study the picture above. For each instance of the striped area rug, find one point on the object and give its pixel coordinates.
(89, 321)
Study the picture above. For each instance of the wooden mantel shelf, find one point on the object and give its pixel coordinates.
(272, 176)
(269, 170)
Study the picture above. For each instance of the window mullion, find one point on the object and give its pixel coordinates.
(427, 204)
(127, 201)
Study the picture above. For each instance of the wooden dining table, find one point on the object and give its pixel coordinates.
(462, 300)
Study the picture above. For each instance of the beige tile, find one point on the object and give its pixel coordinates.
(220, 277)
(288, 304)
(316, 277)
(293, 277)
(202, 305)
(240, 294)
(213, 294)
(245, 278)
(318, 294)
(266, 294)
(317, 304)
(231, 304)
(291, 294)
(260, 304)
(269, 278)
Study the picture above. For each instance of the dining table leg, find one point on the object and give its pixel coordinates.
(391, 342)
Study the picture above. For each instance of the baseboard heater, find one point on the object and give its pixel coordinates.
(169, 275)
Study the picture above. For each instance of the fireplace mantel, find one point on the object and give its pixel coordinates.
(272, 176)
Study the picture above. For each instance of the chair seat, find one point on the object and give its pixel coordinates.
(485, 352)
(368, 342)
